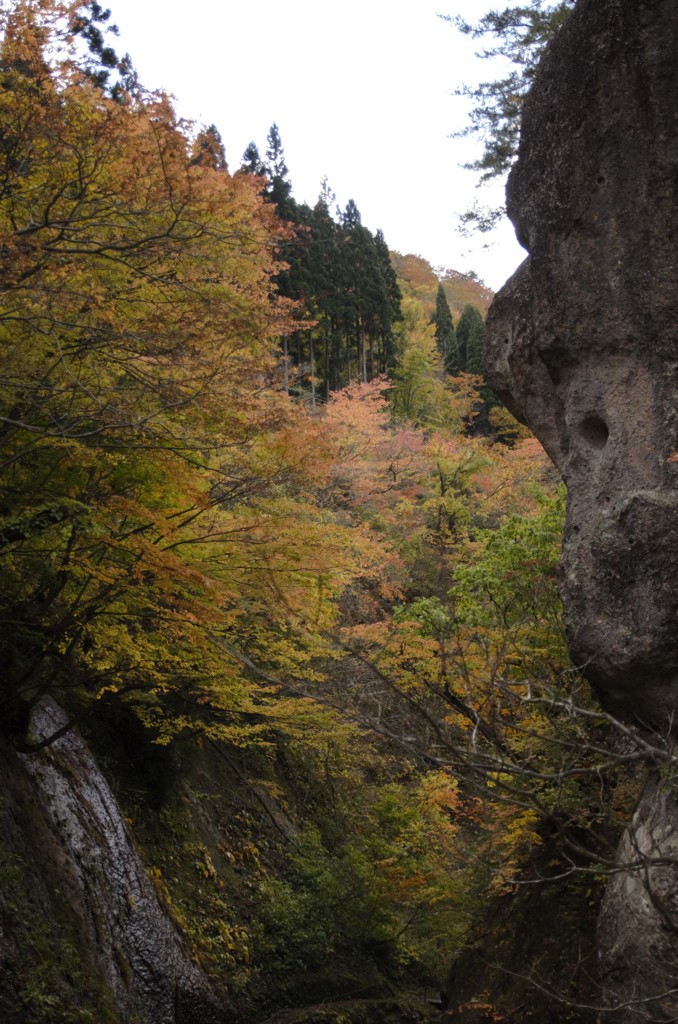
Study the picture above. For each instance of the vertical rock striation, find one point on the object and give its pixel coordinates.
(151, 974)
(583, 347)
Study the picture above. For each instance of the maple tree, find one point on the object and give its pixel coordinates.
(144, 511)
(469, 673)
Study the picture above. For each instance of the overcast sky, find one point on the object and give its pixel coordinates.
(362, 91)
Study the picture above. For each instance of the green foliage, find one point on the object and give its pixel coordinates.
(37, 987)
(475, 362)
(490, 657)
(431, 614)
(387, 890)
(445, 334)
(278, 188)
(513, 578)
(469, 337)
(323, 908)
(342, 277)
(421, 393)
(469, 356)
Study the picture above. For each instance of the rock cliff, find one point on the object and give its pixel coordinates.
(583, 338)
(583, 347)
(78, 871)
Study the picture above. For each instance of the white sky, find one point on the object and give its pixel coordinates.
(361, 91)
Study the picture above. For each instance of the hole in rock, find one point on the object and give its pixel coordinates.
(594, 431)
(601, 179)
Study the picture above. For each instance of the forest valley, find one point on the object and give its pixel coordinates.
(267, 534)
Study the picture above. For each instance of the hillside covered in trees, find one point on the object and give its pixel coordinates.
(274, 548)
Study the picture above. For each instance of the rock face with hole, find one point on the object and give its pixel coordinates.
(583, 347)
(584, 338)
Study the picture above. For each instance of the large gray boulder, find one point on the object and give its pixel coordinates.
(583, 340)
(583, 347)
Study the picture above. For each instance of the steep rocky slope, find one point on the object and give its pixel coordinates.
(181, 884)
(92, 934)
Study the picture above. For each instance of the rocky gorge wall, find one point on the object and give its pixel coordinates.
(93, 936)
(583, 347)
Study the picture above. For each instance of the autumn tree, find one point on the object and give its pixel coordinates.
(145, 525)
(183, 543)
(208, 148)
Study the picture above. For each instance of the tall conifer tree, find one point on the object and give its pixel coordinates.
(445, 337)
(468, 322)
(474, 347)
(279, 188)
(252, 162)
(390, 301)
